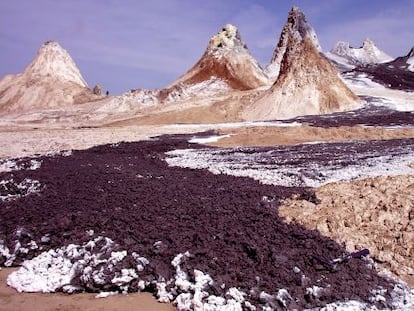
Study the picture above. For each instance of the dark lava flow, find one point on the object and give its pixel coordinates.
(128, 193)
(394, 74)
(369, 115)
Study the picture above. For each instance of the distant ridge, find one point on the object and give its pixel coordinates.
(348, 57)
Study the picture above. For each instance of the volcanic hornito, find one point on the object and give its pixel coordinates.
(51, 80)
(296, 28)
(307, 83)
(226, 65)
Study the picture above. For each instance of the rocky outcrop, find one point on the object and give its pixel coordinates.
(97, 90)
(51, 80)
(307, 83)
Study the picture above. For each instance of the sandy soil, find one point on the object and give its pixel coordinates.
(220, 111)
(270, 136)
(375, 213)
(10, 301)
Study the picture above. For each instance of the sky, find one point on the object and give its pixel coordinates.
(132, 44)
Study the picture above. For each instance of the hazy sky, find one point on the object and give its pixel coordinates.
(147, 44)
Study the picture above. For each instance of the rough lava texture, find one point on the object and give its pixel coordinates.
(226, 59)
(343, 55)
(296, 29)
(397, 74)
(118, 218)
(51, 80)
(308, 84)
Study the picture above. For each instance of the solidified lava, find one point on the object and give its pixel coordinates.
(369, 115)
(127, 192)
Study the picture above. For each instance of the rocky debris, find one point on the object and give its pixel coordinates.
(397, 74)
(296, 29)
(19, 164)
(228, 225)
(129, 102)
(51, 80)
(377, 213)
(97, 90)
(227, 60)
(142, 99)
(345, 56)
(11, 189)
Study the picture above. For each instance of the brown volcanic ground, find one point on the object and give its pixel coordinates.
(269, 136)
(377, 213)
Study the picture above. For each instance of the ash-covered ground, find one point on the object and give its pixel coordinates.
(118, 218)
